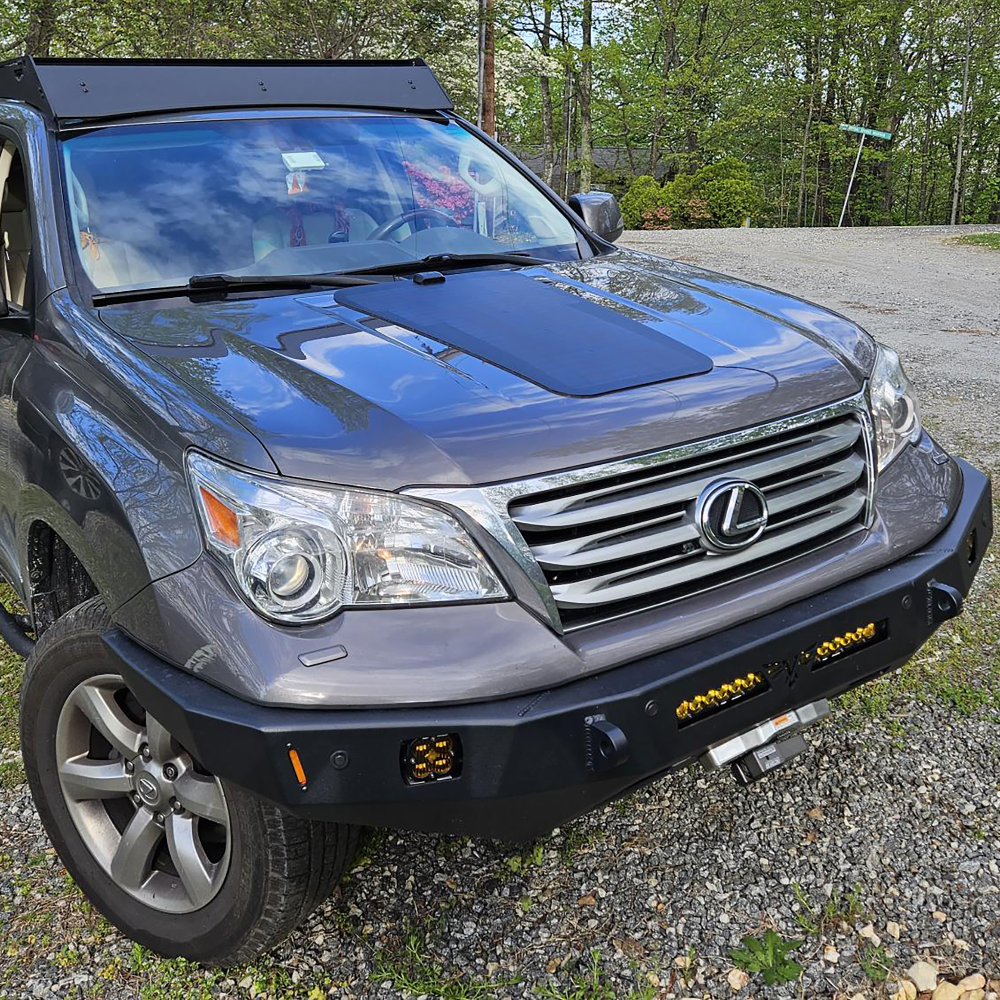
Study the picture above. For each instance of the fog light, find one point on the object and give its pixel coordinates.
(430, 758)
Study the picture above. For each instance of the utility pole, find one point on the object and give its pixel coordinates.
(586, 89)
(487, 69)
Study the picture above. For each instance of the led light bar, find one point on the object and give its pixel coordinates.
(739, 687)
(848, 642)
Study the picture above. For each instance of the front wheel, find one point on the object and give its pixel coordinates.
(178, 859)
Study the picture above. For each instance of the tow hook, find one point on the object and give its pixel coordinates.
(943, 602)
(607, 745)
(767, 758)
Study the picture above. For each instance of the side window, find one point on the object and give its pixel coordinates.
(15, 225)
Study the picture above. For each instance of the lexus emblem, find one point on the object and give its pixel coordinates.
(148, 789)
(731, 514)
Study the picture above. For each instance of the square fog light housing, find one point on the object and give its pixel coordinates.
(431, 758)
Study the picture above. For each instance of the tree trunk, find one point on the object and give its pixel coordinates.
(586, 88)
(548, 137)
(41, 28)
(805, 147)
(961, 127)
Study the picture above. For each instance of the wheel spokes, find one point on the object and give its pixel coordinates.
(84, 779)
(107, 717)
(133, 860)
(202, 796)
(189, 858)
(161, 744)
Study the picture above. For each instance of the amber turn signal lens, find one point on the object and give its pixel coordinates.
(431, 757)
(222, 521)
(296, 761)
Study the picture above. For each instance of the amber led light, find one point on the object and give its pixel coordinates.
(849, 640)
(721, 695)
(431, 757)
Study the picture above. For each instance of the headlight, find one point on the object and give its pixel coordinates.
(893, 405)
(300, 553)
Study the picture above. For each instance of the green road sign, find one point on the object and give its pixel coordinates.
(867, 131)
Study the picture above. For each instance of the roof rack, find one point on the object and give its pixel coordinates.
(73, 90)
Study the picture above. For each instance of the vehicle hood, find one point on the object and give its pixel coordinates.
(341, 387)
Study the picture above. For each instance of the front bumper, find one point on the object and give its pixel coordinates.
(532, 762)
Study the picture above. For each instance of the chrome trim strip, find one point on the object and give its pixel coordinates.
(488, 505)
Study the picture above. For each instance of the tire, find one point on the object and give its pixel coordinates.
(194, 866)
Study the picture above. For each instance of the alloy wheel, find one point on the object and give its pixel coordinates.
(155, 821)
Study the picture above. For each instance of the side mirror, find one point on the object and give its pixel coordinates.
(600, 211)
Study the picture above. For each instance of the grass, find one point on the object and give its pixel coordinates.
(592, 983)
(411, 969)
(820, 918)
(11, 666)
(991, 240)
(959, 666)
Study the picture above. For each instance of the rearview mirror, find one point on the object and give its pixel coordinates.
(600, 211)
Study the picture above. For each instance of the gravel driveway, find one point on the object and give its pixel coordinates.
(877, 849)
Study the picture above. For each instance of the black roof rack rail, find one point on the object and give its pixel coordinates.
(73, 90)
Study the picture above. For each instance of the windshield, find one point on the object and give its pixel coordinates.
(153, 205)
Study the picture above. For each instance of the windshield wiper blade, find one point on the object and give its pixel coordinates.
(438, 261)
(222, 283)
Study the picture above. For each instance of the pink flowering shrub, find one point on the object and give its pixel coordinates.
(445, 191)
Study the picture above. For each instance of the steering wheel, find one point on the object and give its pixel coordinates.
(382, 232)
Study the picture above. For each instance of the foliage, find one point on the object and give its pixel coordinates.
(769, 957)
(414, 971)
(840, 908)
(593, 984)
(718, 195)
(677, 87)
(876, 960)
(991, 240)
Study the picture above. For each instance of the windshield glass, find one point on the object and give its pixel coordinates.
(153, 205)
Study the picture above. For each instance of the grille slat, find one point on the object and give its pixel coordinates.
(658, 490)
(610, 543)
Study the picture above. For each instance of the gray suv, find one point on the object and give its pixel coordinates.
(350, 478)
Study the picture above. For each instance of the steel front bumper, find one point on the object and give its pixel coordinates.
(532, 762)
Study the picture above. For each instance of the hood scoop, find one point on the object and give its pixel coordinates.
(554, 338)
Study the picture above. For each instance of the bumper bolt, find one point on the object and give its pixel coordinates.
(170, 772)
(340, 759)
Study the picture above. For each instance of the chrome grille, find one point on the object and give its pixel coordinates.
(623, 537)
